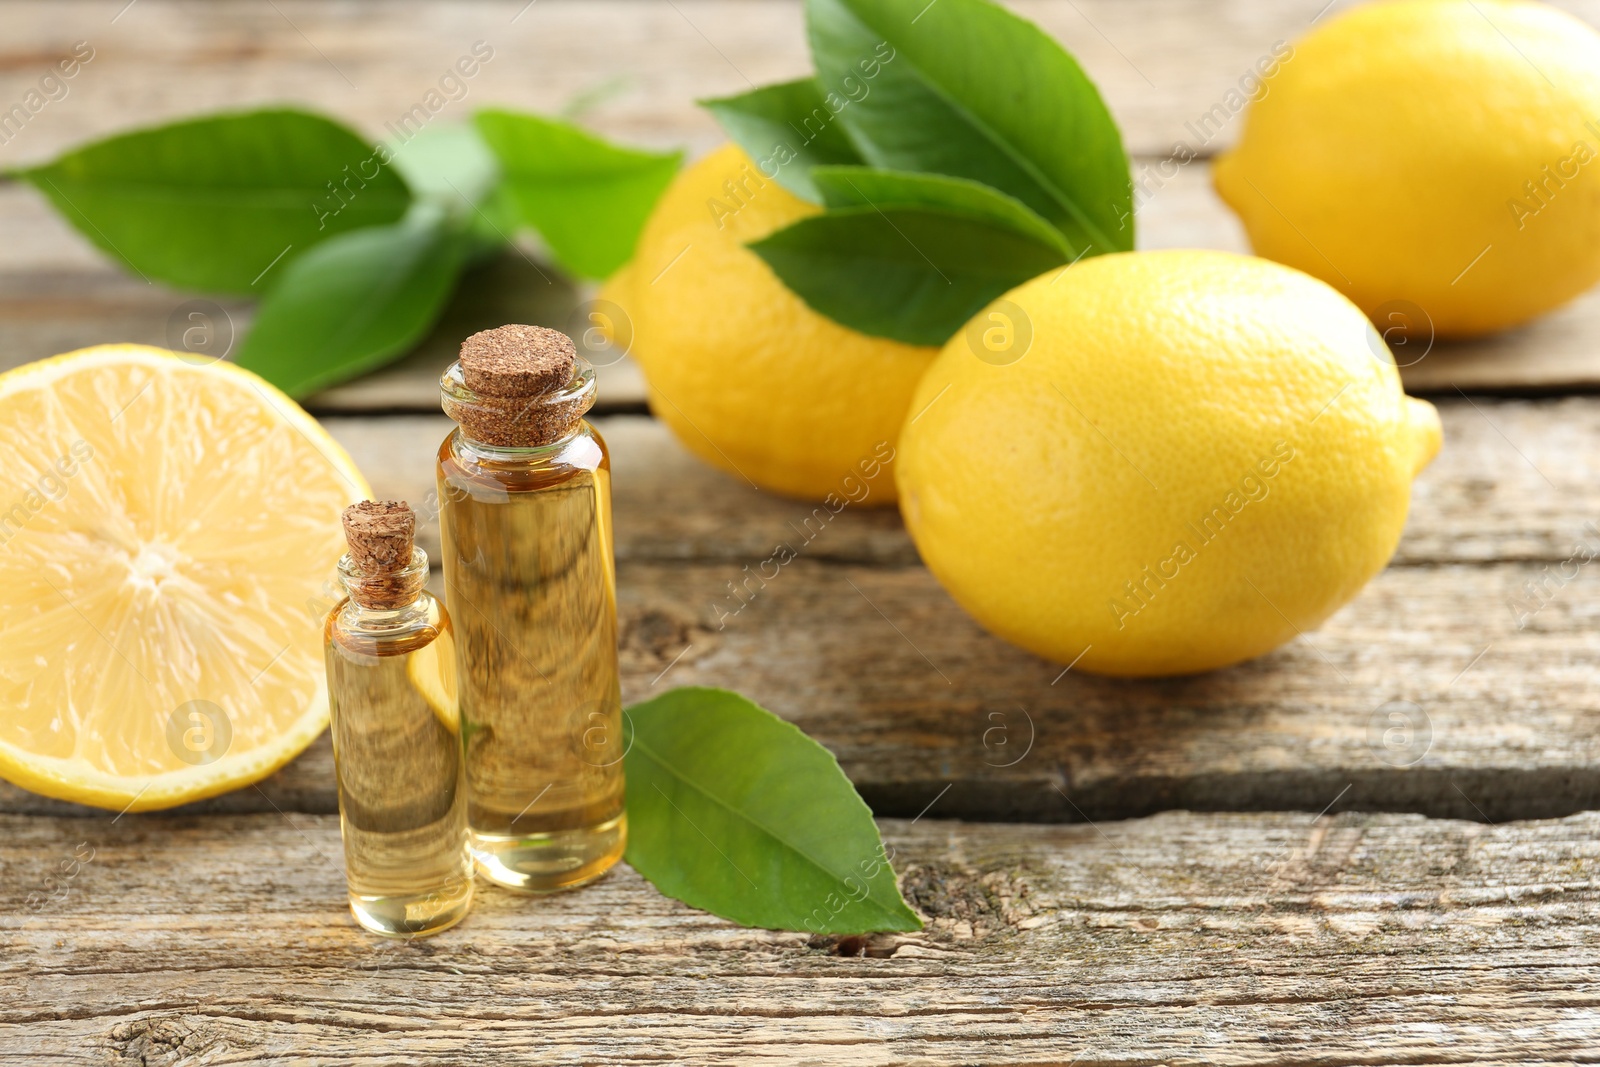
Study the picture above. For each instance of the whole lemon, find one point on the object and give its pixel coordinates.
(746, 375)
(1161, 462)
(1431, 154)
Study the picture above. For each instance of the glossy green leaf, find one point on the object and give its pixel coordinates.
(355, 302)
(786, 130)
(869, 187)
(968, 89)
(915, 274)
(588, 198)
(223, 202)
(734, 811)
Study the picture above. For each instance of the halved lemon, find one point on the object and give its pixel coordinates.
(432, 670)
(167, 534)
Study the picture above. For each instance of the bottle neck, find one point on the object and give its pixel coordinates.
(386, 598)
(387, 622)
(515, 424)
(483, 454)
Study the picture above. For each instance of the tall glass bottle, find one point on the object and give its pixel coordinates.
(525, 520)
(396, 738)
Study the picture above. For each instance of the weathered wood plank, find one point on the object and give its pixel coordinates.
(61, 309)
(922, 706)
(1514, 482)
(1512, 712)
(1224, 939)
(633, 67)
(56, 295)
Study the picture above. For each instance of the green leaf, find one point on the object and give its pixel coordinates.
(787, 129)
(867, 187)
(355, 302)
(450, 165)
(915, 274)
(968, 89)
(588, 198)
(218, 203)
(734, 811)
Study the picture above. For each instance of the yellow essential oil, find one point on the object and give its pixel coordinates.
(396, 738)
(525, 522)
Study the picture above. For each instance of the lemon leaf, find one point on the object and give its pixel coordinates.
(448, 162)
(450, 165)
(965, 88)
(586, 197)
(214, 203)
(356, 302)
(786, 129)
(736, 812)
(914, 273)
(869, 187)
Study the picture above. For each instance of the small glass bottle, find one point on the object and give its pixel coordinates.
(525, 522)
(396, 737)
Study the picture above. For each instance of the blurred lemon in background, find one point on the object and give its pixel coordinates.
(1161, 462)
(747, 376)
(1442, 153)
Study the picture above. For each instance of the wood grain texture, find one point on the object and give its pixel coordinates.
(856, 643)
(639, 64)
(632, 68)
(1513, 482)
(923, 708)
(1223, 939)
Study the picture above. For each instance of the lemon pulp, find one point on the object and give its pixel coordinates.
(167, 531)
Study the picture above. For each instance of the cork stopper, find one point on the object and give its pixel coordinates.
(518, 387)
(517, 361)
(382, 571)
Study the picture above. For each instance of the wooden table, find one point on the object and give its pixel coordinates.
(1230, 868)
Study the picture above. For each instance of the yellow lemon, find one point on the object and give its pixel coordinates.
(1431, 159)
(166, 530)
(747, 376)
(1169, 462)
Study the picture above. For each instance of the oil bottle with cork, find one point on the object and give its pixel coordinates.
(525, 522)
(396, 743)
